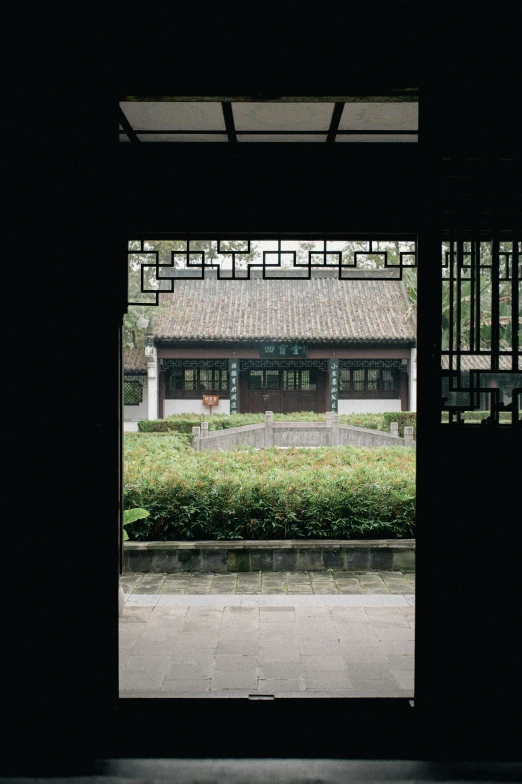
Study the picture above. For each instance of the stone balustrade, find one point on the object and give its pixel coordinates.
(298, 434)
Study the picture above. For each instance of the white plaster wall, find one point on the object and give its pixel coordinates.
(368, 406)
(152, 374)
(135, 413)
(193, 407)
(413, 380)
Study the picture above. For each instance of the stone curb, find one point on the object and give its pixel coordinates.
(289, 555)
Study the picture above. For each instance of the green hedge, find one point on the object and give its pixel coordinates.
(341, 493)
(183, 423)
(478, 416)
(403, 418)
(370, 421)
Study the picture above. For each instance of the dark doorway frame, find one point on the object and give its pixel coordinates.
(74, 171)
(365, 715)
(416, 171)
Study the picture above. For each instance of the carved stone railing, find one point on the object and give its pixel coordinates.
(298, 434)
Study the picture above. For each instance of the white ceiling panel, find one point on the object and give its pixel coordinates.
(380, 137)
(278, 137)
(182, 137)
(176, 115)
(368, 116)
(282, 116)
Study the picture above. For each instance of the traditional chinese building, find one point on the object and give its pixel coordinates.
(135, 385)
(295, 345)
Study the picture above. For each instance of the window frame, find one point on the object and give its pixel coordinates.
(132, 383)
(379, 393)
(220, 382)
(283, 379)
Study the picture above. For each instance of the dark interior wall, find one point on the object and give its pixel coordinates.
(60, 651)
(290, 188)
(467, 646)
(77, 204)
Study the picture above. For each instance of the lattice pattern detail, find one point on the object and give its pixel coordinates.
(132, 391)
(371, 363)
(290, 364)
(481, 361)
(220, 364)
(154, 265)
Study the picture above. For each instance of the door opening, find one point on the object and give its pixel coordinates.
(273, 589)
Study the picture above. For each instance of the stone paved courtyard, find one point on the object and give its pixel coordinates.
(284, 634)
(320, 582)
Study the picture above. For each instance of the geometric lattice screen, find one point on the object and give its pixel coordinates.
(481, 365)
(133, 390)
(154, 265)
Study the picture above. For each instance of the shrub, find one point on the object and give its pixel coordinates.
(226, 421)
(155, 426)
(179, 424)
(340, 492)
(370, 421)
(403, 418)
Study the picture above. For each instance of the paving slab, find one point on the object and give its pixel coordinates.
(305, 634)
(189, 686)
(316, 582)
(327, 681)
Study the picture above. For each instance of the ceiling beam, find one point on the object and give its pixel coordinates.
(229, 120)
(127, 127)
(336, 119)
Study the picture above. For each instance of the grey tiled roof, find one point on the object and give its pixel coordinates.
(134, 360)
(321, 309)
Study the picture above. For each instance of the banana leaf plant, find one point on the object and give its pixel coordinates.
(130, 516)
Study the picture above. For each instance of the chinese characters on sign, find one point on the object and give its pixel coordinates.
(233, 369)
(275, 350)
(334, 384)
(210, 400)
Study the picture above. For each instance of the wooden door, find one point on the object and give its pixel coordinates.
(263, 392)
(284, 390)
(265, 400)
(302, 390)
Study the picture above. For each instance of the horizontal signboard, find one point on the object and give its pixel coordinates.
(289, 350)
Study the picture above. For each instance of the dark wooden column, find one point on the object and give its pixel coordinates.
(404, 390)
(242, 393)
(162, 391)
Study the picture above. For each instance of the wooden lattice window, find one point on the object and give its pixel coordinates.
(305, 380)
(132, 393)
(194, 379)
(293, 379)
(369, 382)
(204, 380)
